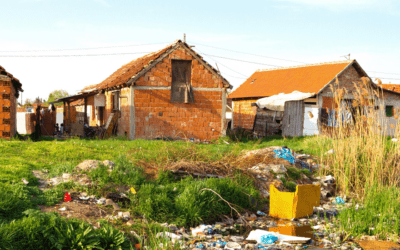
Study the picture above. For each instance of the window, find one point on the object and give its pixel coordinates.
(389, 111)
(115, 97)
(181, 89)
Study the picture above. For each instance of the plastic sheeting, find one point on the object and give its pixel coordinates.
(277, 102)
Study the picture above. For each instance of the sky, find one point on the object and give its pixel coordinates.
(52, 44)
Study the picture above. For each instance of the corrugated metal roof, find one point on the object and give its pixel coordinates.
(305, 78)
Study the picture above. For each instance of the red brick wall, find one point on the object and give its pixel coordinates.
(243, 111)
(156, 116)
(8, 109)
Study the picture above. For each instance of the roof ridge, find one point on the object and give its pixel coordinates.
(307, 65)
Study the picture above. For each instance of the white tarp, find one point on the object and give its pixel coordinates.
(277, 102)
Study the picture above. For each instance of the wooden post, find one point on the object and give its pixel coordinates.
(85, 120)
(240, 115)
(69, 116)
(64, 113)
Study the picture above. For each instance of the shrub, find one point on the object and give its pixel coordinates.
(187, 203)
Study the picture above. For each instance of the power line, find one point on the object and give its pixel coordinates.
(112, 54)
(92, 48)
(235, 51)
(384, 73)
(385, 78)
(240, 60)
(226, 67)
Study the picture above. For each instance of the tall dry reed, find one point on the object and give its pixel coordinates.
(364, 154)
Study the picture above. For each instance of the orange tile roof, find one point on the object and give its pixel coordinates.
(126, 72)
(129, 70)
(392, 87)
(304, 78)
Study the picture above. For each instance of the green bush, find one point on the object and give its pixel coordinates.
(187, 203)
(50, 231)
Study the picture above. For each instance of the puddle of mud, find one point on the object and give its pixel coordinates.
(300, 231)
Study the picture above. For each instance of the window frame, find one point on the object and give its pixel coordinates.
(389, 113)
(179, 86)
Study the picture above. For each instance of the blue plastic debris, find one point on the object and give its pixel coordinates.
(220, 242)
(268, 239)
(210, 231)
(261, 247)
(285, 153)
(201, 246)
(261, 213)
(338, 200)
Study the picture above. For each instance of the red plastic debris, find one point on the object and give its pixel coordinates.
(67, 197)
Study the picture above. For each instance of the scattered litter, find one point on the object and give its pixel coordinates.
(338, 200)
(261, 213)
(233, 246)
(67, 197)
(198, 229)
(395, 140)
(268, 239)
(63, 209)
(101, 201)
(133, 191)
(221, 243)
(257, 236)
(84, 198)
(331, 151)
(25, 181)
(285, 153)
(169, 235)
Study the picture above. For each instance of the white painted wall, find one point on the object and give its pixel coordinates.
(310, 124)
(21, 122)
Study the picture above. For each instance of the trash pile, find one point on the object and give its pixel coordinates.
(271, 228)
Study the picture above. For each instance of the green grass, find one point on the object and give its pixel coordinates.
(380, 215)
(50, 231)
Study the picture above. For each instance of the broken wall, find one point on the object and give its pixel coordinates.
(267, 122)
(243, 113)
(8, 108)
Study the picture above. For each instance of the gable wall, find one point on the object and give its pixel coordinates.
(155, 115)
(346, 81)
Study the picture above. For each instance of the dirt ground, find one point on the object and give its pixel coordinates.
(81, 210)
(375, 245)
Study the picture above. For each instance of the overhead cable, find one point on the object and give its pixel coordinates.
(91, 48)
(235, 51)
(112, 54)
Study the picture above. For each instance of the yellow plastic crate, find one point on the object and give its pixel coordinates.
(288, 205)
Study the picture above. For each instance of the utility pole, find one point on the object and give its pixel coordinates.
(184, 37)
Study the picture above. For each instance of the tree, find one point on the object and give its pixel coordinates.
(38, 100)
(28, 102)
(56, 94)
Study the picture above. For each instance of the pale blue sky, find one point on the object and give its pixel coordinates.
(310, 31)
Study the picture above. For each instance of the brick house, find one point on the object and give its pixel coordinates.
(315, 79)
(169, 93)
(9, 92)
